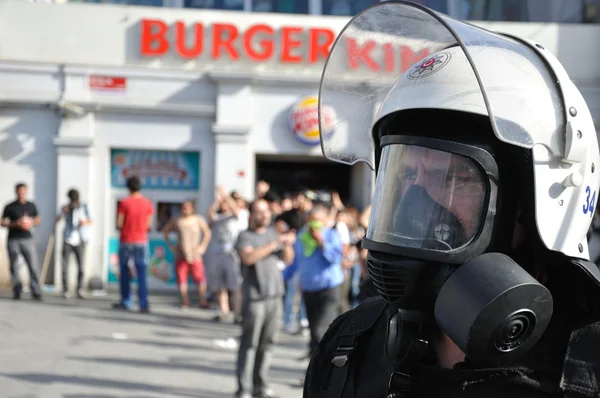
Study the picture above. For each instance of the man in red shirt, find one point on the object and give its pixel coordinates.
(134, 220)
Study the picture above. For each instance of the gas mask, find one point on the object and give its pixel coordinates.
(416, 206)
(431, 224)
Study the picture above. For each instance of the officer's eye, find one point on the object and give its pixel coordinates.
(410, 173)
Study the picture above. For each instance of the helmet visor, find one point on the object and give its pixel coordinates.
(427, 199)
(396, 38)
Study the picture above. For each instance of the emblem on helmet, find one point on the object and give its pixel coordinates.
(429, 66)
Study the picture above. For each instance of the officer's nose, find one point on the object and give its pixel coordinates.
(421, 178)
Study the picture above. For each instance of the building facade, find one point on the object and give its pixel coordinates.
(189, 99)
(558, 11)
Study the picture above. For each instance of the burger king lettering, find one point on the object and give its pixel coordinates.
(257, 42)
(263, 43)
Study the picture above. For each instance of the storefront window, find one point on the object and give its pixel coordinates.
(558, 11)
(237, 5)
(282, 6)
(437, 5)
(155, 3)
(345, 7)
(591, 12)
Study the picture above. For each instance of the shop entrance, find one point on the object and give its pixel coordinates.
(290, 174)
(168, 179)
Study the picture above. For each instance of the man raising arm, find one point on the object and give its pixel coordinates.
(260, 249)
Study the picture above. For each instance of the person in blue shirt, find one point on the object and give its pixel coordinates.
(318, 261)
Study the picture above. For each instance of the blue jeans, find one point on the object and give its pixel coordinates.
(288, 302)
(139, 252)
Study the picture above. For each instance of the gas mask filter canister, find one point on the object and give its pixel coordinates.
(493, 310)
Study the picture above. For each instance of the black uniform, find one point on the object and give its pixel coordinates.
(564, 363)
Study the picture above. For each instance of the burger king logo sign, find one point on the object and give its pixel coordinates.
(304, 120)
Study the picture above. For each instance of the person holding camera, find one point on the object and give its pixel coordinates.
(75, 236)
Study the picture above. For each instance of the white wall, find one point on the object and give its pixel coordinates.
(27, 155)
(270, 133)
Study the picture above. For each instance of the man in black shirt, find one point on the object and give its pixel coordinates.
(19, 217)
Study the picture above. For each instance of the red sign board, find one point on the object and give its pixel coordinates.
(262, 43)
(108, 83)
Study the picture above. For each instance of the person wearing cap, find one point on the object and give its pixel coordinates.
(487, 180)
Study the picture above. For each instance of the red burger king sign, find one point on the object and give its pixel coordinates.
(304, 120)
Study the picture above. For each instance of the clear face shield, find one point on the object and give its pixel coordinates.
(389, 39)
(427, 199)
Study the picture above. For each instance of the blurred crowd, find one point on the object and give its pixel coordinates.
(229, 215)
(293, 260)
(290, 261)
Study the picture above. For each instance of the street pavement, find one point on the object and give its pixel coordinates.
(84, 349)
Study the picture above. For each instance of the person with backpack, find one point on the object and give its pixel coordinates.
(75, 236)
(487, 177)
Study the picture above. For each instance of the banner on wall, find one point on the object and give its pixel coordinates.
(166, 170)
(161, 266)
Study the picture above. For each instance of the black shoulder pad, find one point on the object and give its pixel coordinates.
(364, 316)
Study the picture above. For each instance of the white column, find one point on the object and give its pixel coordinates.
(231, 160)
(234, 166)
(74, 170)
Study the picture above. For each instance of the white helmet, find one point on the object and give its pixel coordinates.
(522, 88)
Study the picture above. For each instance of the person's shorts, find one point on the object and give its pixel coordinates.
(222, 272)
(183, 269)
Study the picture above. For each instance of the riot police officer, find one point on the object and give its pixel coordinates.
(487, 176)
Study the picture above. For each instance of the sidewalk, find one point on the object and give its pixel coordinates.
(84, 349)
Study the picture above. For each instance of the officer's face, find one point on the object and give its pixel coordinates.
(453, 181)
